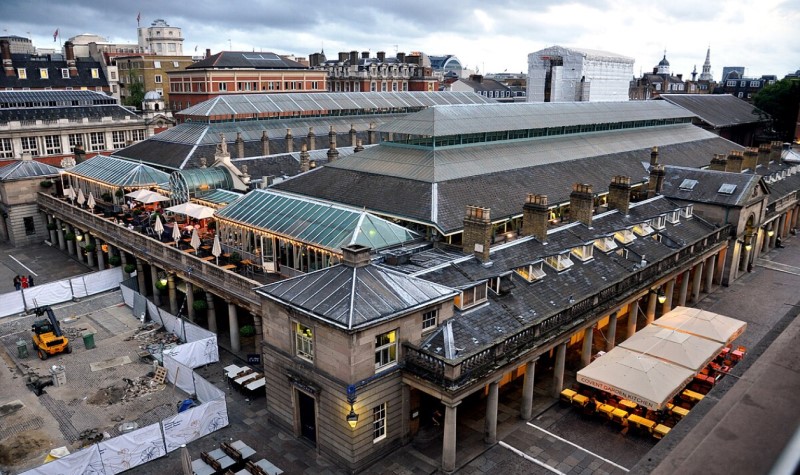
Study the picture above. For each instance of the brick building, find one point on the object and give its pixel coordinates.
(149, 69)
(353, 73)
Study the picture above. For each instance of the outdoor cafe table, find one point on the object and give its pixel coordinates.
(639, 421)
(630, 405)
(243, 449)
(660, 431)
(268, 467)
(691, 395)
(247, 377)
(678, 410)
(222, 458)
(568, 394)
(229, 266)
(200, 467)
(580, 399)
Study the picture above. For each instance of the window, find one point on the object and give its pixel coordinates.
(137, 135)
(303, 342)
(98, 88)
(731, 83)
(471, 296)
(22, 73)
(223, 86)
(606, 243)
(5, 149)
(754, 83)
(52, 144)
(95, 73)
(559, 262)
(674, 217)
(97, 141)
(687, 211)
(117, 139)
(171, 47)
(64, 73)
(584, 252)
(385, 349)
(113, 75)
(643, 229)
(157, 65)
(532, 272)
(314, 85)
(157, 78)
(379, 422)
(373, 86)
(43, 73)
(175, 64)
(30, 228)
(429, 319)
(740, 95)
(75, 140)
(687, 184)
(659, 222)
(29, 146)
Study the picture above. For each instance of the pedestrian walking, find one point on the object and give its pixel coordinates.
(17, 283)
(30, 281)
(24, 281)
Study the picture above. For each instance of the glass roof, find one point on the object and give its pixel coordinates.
(218, 197)
(26, 169)
(316, 223)
(116, 172)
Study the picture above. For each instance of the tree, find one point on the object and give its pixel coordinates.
(135, 95)
(782, 101)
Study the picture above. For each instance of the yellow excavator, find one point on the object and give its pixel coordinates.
(47, 336)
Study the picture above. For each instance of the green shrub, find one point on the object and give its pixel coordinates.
(106, 196)
(129, 268)
(69, 236)
(114, 260)
(247, 330)
(236, 257)
(46, 184)
(51, 226)
(161, 285)
(200, 305)
(89, 247)
(120, 193)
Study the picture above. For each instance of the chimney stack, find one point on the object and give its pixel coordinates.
(371, 134)
(477, 232)
(5, 52)
(534, 217)
(239, 145)
(305, 159)
(312, 139)
(359, 147)
(70, 53)
(382, 56)
(763, 154)
(289, 141)
(735, 160)
(353, 58)
(581, 203)
(750, 159)
(356, 255)
(264, 143)
(401, 57)
(365, 55)
(775, 151)
(208, 52)
(353, 135)
(342, 56)
(654, 156)
(656, 182)
(333, 154)
(619, 194)
(718, 163)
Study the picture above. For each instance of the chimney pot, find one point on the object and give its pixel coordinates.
(477, 232)
(353, 58)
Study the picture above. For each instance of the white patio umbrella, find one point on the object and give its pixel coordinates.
(81, 199)
(158, 226)
(138, 193)
(195, 242)
(90, 202)
(216, 249)
(152, 197)
(69, 193)
(193, 210)
(176, 233)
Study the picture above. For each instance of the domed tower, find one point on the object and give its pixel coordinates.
(155, 113)
(152, 101)
(663, 65)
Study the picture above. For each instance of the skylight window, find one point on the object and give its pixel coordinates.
(532, 272)
(606, 243)
(625, 236)
(643, 229)
(687, 184)
(559, 262)
(727, 189)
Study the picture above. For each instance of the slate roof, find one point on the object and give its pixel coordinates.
(243, 59)
(485, 84)
(490, 117)
(718, 110)
(45, 98)
(442, 204)
(678, 184)
(32, 65)
(24, 169)
(356, 297)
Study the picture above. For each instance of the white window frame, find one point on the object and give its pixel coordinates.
(157, 64)
(75, 140)
(584, 252)
(222, 86)
(6, 148)
(43, 74)
(97, 141)
(430, 319)
(64, 73)
(176, 64)
(30, 145)
(379, 423)
(643, 229)
(158, 79)
(52, 144)
(22, 73)
(688, 211)
(660, 222)
(117, 139)
(531, 272)
(477, 295)
(303, 341)
(674, 217)
(386, 352)
(606, 243)
(559, 262)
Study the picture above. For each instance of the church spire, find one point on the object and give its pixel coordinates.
(706, 74)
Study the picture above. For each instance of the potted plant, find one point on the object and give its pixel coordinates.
(161, 286)
(114, 260)
(236, 257)
(69, 236)
(51, 226)
(89, 247)
(129, 268)
(46, 184)
(247, 330)
(200, 305)
(106, 196)
(119, 193)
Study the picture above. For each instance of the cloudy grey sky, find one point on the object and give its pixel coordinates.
(493, 36)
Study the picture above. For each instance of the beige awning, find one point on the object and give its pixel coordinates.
(690, 351)
(694, 321)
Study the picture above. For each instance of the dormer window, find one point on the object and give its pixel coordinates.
(687, 211)
(659, 222)
(471, 296)
(64, 73)
(560, 262)
(643, 229)
(625, 236)
(95, 73)
(43, 73)
(22, 73)
(532, 272)
(606, 243)
(674, 217)
(584, 253)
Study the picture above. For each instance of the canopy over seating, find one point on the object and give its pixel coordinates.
(690, 351)
(694, 321)
(114, 172)
(637, 377)
(193, 210)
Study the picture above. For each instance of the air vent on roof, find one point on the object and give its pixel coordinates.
(688, 184)
(727, 189)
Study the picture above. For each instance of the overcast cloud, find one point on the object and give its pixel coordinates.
(492, 36)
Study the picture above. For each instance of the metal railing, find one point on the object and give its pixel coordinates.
(220, 281)
(452, 374)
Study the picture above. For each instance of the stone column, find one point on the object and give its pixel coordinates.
(259, 333)
(71, 248)
(652, 301)
(712, 265)
(633, 316)
(526, 410)
(449, 438)
(140, 276)
(773, 227)
(123, 257)
(782, 226)
(173, 296)
(406, 411)
(684, 289)
(490, 423)
(697, 280)
(101, 261)
(156, 292)
(89, 255)
(558, 370)
(211, 313)
(233, 324)
(190, 301)
(60, 233)
(670, 289)
(586, 353)
(612, 330)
